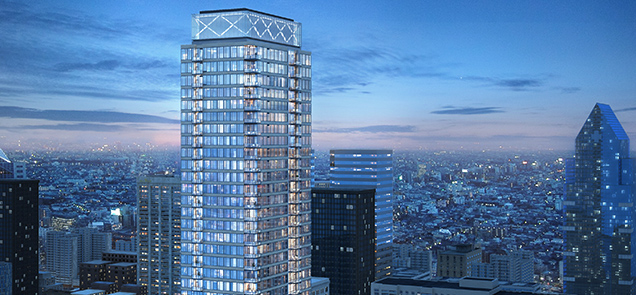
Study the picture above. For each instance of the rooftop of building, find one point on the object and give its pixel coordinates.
(616, 126)
(102, 283)
(124, 264)
(96, 262)
(466, 283)
(460, 249)
(89, 292)
(120, 252)
(224, 24)
(359, 151)
(4, 156)
(438, 283)
(243, 9)
(319, 280)
(342, 188)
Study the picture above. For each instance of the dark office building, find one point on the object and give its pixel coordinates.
(599, 238)
(19, 232)
(343, 238)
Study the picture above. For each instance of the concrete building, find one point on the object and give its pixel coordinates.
(456, 261)
(99, 274)
(159, 233)
(364, 168)
(62, 256)
(514, 267)
(120, 256)
(319, 286)
(46, 279)
(92, 243)
(409, 257)
(245, 155)
(92, 271)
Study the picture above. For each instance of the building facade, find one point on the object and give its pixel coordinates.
(599, 213)
(62, 256)
(514, 267)
(19, 232)
(410, 257)
(6, 277)
(343, 238)
(456, 261)
(159, 233)
(245, 155)
(370, 168)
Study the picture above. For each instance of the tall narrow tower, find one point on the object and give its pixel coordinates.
(159, 232)
(599, 210)
(245, 155)
(19, 233)
(370, 168)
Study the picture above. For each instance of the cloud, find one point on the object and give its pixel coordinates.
(81, 116)
(370, 129)
(518, 83)
(104, 65)
(86, 56)
(568, 90)
(108, 65)
(344, 69)
(515, 84)
(13, 92)
(450, 110)
(73, 127)
(626, 109)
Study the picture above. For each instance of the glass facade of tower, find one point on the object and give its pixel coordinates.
(343, 238)
(245, 155)
(599, 210)
(6, 166)
(370, 168)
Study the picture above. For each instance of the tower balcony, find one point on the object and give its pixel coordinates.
(252, 169)
(253, 107)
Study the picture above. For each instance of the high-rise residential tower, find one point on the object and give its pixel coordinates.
(370, 168)
(62, 257)
(245, 155)
(159, 232)
(599, 210)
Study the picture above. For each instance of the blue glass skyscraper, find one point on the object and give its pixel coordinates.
(245, 155)
(6, 166)
(599, 210)
(370, 168)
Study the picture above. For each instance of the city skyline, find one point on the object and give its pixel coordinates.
(460, 75)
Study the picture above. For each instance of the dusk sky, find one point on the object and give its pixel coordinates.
(406, 75)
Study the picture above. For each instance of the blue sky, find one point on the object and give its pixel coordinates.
(405, 75)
